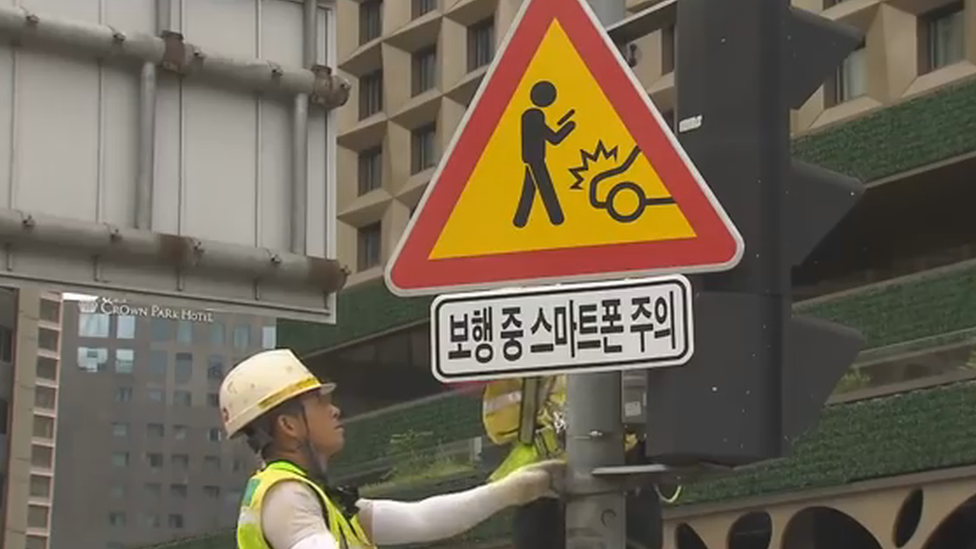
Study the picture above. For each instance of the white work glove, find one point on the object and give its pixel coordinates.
(529, 483)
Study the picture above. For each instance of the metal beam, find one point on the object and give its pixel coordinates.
(24, 27)
(642, 23)
(138, 247)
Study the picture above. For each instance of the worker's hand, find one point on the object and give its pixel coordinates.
(538, 480)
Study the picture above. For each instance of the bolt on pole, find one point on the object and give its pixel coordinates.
(595, 512)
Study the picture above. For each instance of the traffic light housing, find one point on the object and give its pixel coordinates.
(760, 375)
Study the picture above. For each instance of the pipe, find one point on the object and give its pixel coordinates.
(140, 247)
(299, 187)
(147, 147)
(171, 52)
(146, 166)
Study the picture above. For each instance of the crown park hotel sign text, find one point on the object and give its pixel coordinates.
(153, 311)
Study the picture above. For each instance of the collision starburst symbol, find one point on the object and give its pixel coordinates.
(586, 158)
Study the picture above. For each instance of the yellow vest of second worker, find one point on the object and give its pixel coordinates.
(349, 534)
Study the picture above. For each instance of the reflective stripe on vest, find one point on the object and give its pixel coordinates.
(250, 535)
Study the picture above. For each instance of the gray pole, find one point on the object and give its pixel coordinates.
(596, 510)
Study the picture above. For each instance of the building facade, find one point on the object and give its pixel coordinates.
(892, 462)
(142, 456)
(30, 341)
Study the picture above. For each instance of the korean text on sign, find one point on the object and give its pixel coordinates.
(638, 323)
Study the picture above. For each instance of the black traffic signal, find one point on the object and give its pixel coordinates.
(760, 375)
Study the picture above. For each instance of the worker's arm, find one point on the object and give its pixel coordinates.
(291, 518)
(445, 516)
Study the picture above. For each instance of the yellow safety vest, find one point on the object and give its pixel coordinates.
(349, 534)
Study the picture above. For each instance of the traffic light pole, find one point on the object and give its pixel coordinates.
(595, 511)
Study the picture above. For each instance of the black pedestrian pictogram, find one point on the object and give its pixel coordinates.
(536, 137)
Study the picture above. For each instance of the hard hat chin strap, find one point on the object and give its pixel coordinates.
(317, 463)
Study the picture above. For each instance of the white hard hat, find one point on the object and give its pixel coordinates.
(261, 382)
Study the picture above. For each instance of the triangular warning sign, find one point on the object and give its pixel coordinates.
(562, 169)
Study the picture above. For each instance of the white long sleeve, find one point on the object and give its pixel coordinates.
(291, 518)
(434, 518)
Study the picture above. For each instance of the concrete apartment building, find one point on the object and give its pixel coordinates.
(892, 462)
(30, 340)
(141, 454)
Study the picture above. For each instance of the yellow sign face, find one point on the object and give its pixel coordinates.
(561, 170)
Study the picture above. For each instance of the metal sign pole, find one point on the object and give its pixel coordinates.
(595, 512)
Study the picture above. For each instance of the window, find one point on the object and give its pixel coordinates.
(368, 246)
(242, 336)
(125, 327)
(36, 542)
(44, 397)
(155, 430)
(850, 81)
(424, 72)
(6, 344)
(154, 490)
(47, 368)
(212, 492)
(182, 398)
(120, 430)
(37, 516)
(941, 37)
(4, 415)
(214, 434)
(120, 459)
(50, 310)
(151, 520)
(154, 394)
(233, 497)
(421, 7)
(179, 432)
(370, 20)
(181, 462)
(215, 368)
(123, 394)
(668, 37)
(47, 339)
(42, 456)
(92, 359)
(155, 460)
(370, 93)
(184, 368)
(422, 148)
(93, 324)
(176, 521)
(117, 520)
(161, 329)
(43, 427)
(118, 490)
(40, 486)
(158, 363)
(213, 400)
(184, 332)
(125, 360)
(114, 545)
(178, 491)
(481, 43)
(217, 335)
(211, 463)
(370, 169)
(238, 464)
(269, 337)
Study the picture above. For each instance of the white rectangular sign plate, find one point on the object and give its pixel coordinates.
(572, 328)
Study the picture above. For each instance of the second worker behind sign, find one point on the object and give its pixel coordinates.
(536, 136)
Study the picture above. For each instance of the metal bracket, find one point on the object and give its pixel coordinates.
(636, 476)
(329, 90)
(174, 56)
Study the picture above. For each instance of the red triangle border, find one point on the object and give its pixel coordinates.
(717, 246)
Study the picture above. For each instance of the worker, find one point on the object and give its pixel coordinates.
(288, 418)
